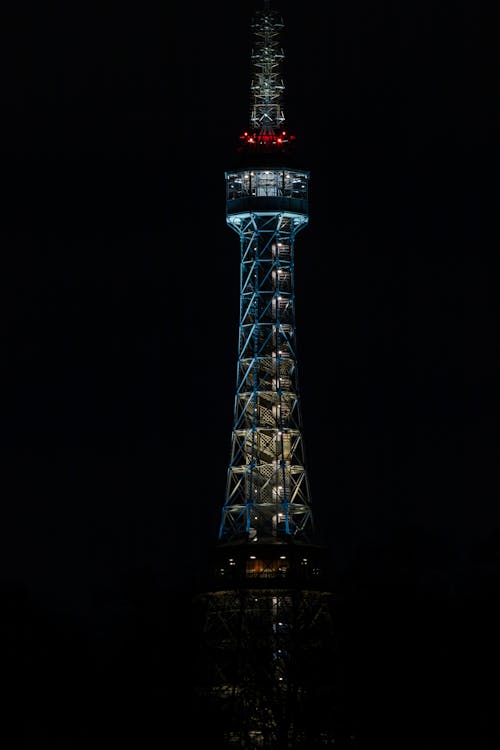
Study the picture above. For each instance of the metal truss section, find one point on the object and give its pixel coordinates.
(268, 663)
(267, 492)
(267, 85)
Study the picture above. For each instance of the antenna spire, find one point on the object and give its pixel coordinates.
(267, 117)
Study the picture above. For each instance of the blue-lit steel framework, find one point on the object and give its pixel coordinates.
(267, 493)
(267, 666)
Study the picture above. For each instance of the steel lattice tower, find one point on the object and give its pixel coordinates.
(266, 668)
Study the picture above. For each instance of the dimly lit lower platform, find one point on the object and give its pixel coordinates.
(279, 564)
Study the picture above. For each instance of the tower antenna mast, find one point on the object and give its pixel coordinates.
(266, 114)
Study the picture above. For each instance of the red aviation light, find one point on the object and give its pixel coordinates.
(266, 139)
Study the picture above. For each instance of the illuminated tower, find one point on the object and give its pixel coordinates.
(266, 669)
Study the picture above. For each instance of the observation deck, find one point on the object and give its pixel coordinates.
(267, 191)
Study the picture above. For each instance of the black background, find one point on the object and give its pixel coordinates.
(119, 349)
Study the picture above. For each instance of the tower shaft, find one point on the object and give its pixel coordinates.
(266, 667)
(267, 494)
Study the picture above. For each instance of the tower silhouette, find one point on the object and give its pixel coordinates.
(265, 668)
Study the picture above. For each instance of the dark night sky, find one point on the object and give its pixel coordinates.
(120, 334)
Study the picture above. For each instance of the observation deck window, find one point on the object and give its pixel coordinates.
(274, 182)
(257, 568)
